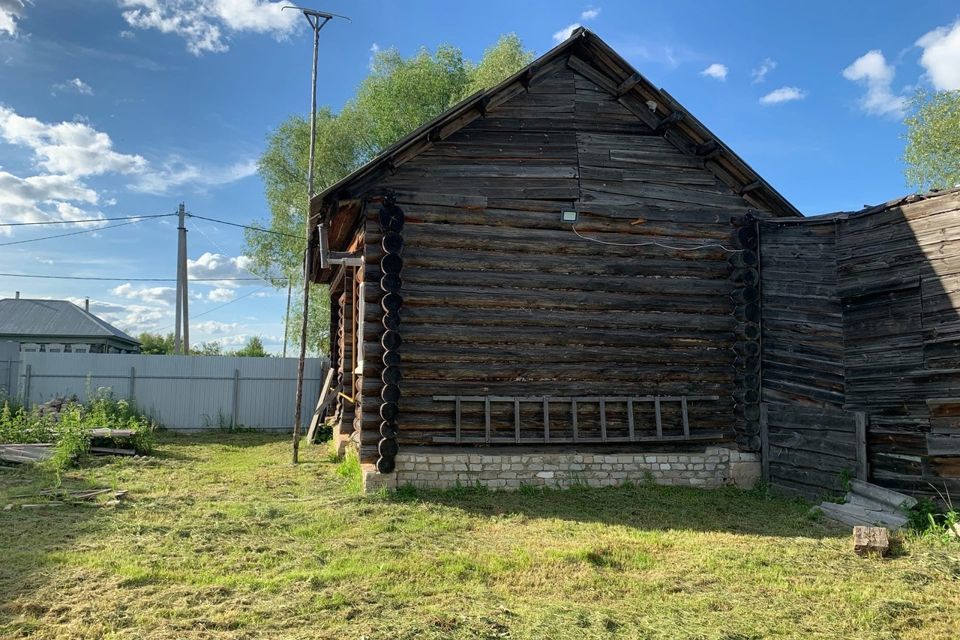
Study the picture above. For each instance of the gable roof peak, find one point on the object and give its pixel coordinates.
(585, 53)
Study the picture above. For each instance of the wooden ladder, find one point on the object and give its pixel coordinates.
(575, 402)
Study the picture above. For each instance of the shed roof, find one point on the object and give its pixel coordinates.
(588, 55)
(59, 318)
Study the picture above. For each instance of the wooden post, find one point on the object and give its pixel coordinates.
(685, 417)
(656, 409)
(603, 420)
(457, 417)
(516, 419)
(133, 384)
(486, 420)
(546, 419)
(630, 424)
(863, 466)
(765, 441)
(573, 417)
(236, 399)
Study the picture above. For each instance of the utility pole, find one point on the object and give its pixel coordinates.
(286, 318)
(317, 20)
(181, 336)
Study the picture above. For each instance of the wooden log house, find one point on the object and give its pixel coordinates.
(566, 259)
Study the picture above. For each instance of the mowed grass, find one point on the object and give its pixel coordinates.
(222, 538)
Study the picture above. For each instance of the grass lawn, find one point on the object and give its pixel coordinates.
(222, 538)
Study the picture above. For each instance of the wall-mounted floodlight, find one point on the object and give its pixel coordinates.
(568, 216)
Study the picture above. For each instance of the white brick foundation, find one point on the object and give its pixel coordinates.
(513, 468)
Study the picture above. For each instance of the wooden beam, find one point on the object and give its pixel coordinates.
(628, 84)
(753, 186)
(669, 122)
(546, 420)
(765, 441)
(708, 150)
(863, 469)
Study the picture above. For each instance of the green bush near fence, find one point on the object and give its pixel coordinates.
(69, 430)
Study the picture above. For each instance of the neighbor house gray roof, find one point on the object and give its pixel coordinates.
(54, 318)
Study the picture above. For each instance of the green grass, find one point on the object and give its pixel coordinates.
(222, 538)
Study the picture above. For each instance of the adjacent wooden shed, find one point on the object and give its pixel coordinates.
(568, 258)
(860, 318)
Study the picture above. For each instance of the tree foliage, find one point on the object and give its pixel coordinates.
(397, 96)
(162, 345)
(156, 343)
(253, 348)
(933, 141)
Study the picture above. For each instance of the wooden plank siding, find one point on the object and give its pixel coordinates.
(860, 314)
(502, 298)
(802, 316)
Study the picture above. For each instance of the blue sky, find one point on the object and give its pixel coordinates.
(122, 107)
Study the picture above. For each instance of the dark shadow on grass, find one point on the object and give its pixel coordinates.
(234, 439)
(644, 507)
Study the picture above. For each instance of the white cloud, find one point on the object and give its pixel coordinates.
(237, 340)
(10, 12)
(176, 173)
(941, 56)
(216, 265)
(215, 327)
(71, 148)
(566, 32)
(716, 70)
(590, 13)
(132, 318)
(760, 73)
(871, 70)
(76, 84)
(783, 94)
(43, 198)
(163, 295)
(65, 152)
(207, 24)
(221, 294)
(126, 34)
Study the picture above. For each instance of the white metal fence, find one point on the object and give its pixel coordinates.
(187, 393)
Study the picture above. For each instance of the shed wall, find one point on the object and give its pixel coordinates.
(860, 315)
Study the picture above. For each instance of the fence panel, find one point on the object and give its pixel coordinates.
(181, 392)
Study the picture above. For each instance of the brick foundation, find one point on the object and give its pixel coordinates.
(512, 468)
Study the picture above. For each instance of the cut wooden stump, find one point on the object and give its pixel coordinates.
(871, 541)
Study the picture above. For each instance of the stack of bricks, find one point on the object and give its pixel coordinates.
(707, 468)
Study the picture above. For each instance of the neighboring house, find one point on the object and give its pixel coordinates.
(59, 326)
(560, 258)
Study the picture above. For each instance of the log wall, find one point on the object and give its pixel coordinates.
(502, 298)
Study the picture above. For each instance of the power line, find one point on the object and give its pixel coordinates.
(224, 251)
(105, 279)
(30, 224)
(244, 226)
(226, 304)
(64, 235)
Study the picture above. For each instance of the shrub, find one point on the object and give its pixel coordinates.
(69, 430)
